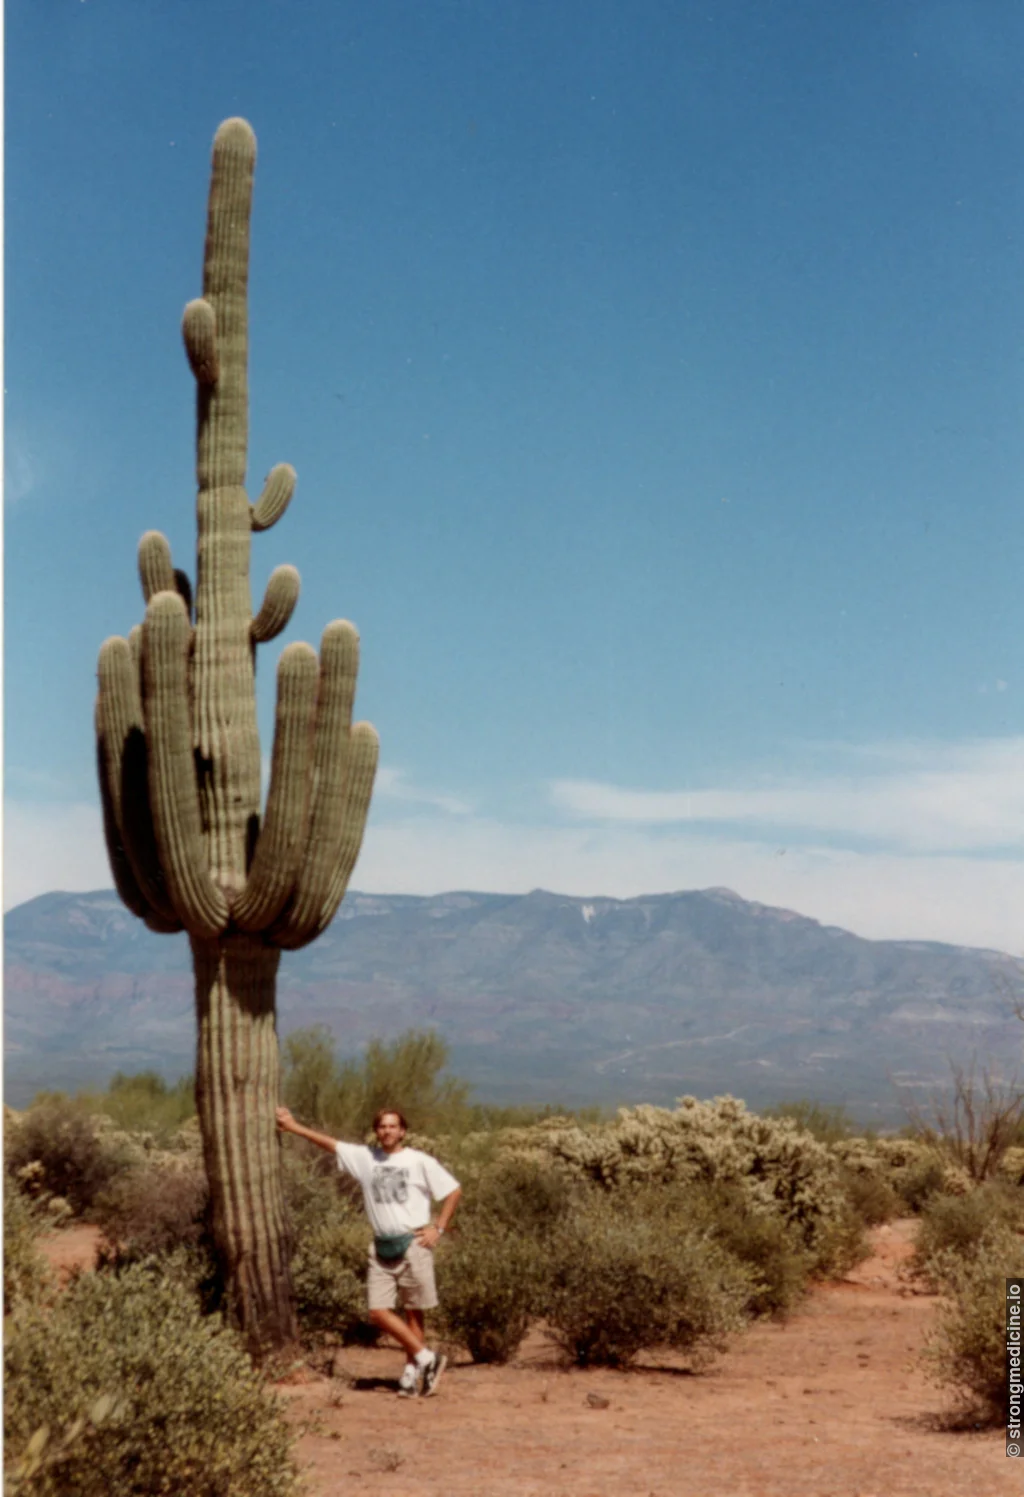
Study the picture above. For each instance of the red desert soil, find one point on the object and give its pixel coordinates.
(829, 1404)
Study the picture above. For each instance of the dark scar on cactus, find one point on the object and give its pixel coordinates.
(252, 836)
(184, 587)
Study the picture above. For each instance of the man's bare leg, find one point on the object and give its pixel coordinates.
(407, 1333)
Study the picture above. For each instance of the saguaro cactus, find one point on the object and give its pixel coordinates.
(179, 769)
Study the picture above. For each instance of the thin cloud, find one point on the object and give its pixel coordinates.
(960, 798)
(394, 784)
(20, 474)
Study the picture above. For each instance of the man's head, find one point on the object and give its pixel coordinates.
(390, 1127)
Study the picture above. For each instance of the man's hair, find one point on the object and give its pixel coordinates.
(389, 1112)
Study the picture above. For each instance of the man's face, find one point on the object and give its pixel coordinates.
(390, 1132)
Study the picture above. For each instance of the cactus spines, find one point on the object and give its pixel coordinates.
(179, 765)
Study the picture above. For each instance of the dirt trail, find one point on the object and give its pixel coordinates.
(828, 1405)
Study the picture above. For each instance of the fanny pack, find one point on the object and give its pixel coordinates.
(390, 1249)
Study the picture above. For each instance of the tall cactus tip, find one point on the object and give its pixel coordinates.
(236, 133)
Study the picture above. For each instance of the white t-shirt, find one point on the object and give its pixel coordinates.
(397, 1188)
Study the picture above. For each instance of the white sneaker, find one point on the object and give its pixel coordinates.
(409, 1382)
(432, 1373)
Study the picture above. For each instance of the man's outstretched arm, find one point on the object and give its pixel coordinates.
(287, 1124)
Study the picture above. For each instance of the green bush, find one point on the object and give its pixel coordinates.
(342, 1097)
(145, 1103)
(966, 1352)
(521, 1195)
(841, 1244)
(148, 1211)
(161, 1211)
(26, 1275)
(619, 1286)
(959, 1226)
(328, 1277)
(138, 1394)
(332, 1239)
(761, 1240)
(57, 1149)
(914, 1169)
(490, 1286)
(871, 1197)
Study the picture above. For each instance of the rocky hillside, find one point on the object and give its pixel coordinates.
(540, 996)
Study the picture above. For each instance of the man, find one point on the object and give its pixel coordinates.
(398, 1186)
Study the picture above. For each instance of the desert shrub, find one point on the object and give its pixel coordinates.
(162, 1212)
(1011, 1166)
(150, 1211)
(841, 1244)
(761, 1240)
(914, 1169)
(619, 1286)
(182, 1408)
(342, 1096)
(146, 1103)
(331, 1243)
(26, 1276)
(328, 1277)
(975, 1120)
(491, 1286)
(966, 1351)
(521, 1195)
(57, 1149)
(960, 1226)
(925, 1179)
(780, 1167)
(871, 1197)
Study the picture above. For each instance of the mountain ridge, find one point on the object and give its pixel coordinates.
(540, 996)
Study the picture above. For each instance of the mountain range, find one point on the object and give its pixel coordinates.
(541, 998)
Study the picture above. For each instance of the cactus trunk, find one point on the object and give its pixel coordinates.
(179, 765)
(236, 1092)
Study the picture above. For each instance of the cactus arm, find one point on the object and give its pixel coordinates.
(125, 881)
(282, 840)
(125, 781)
(135, 647)
(199, 330)
(339, 663)
(156, 570)
(361, 768)
(197, 901)
(363, 753)
(278, 604)
(275, 498)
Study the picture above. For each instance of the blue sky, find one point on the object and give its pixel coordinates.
(653, 374)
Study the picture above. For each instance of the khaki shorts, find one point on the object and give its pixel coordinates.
(409, 1282)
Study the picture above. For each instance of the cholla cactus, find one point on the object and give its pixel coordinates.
(779, 1165)
(179, 766)
(912, 1167)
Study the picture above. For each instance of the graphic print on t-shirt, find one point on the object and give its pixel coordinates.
(389, 1185)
